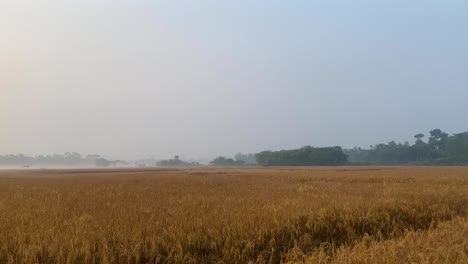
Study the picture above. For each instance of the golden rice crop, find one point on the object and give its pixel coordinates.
(254, 215)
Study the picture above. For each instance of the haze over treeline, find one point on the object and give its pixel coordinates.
(439, 149)
(137, 79)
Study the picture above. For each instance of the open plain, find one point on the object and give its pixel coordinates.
(235, 215)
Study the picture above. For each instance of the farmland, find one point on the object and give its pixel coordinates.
(229, 215)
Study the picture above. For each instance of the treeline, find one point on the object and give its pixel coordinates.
(239, 160)
(220, 161)
(438, 149)
(68, 159)
(177, 162)
(305, 156)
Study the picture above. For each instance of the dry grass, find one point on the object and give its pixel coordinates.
(312, 215)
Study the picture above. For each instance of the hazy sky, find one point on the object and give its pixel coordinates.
(135, 79)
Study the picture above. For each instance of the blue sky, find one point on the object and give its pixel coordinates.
(134, 79)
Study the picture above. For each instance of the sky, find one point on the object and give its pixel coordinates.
(137, 79)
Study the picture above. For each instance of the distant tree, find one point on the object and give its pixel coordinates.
(419, 138)
(92, 157)
(457, 150)
(103, 163)
(222, 161)
(67, 159)
(441, 149)
(438, 140)
(118, 163)
(305, 156)
(177, 162)
(248, 159)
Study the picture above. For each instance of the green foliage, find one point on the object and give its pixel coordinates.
(248, 159)
(457, 149)
(176, 162)
(441, 149)
(438, 140)
(305, 156)
(222, 161)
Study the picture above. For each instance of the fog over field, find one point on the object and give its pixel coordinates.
(208, 131)
(138, 79)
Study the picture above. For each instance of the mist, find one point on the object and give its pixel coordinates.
(135, 80)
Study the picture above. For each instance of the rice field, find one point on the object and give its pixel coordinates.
(235, 215)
